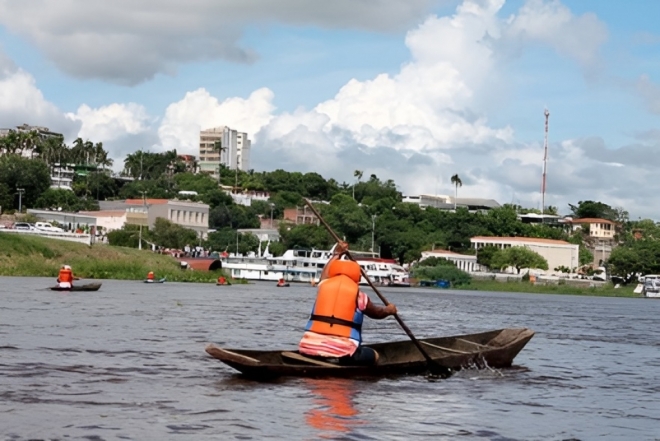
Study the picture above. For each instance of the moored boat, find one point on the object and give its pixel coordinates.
(87, 287)
(495, 349)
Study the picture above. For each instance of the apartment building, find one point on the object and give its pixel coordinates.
(233, 154)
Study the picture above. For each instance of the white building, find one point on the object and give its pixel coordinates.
(557, 252)
(61, 176)
(444, 202)
(465, 262)
(233, 154)
(245, 197)
(108, 220)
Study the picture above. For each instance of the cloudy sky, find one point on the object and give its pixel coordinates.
(410, 90)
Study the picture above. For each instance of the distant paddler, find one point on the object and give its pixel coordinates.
(65, 277)
(150, 277)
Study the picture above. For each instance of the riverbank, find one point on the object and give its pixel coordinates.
(606, 290)
(42, 257)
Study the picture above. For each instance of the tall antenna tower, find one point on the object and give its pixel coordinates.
(545, 161)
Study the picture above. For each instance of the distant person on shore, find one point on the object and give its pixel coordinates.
(65, 277)
(150, 277)
(334, 329)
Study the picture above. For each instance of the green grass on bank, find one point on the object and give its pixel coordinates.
(607, 290)
(23, 255)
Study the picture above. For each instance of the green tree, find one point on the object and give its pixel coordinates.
(216, 197)
(304, 236)
(485, 255)
(585, 256)
(170, 235)
(591, 209)
(452, 274)
(6, 198)
(226, 239)
(31, 175)
(436, 261)
(518, 258)
(201, 183)
(56, 198)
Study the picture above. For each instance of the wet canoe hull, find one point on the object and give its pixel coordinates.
(78, 288)
(496, 349)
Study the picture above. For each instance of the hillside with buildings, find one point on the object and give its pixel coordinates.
(224, 205)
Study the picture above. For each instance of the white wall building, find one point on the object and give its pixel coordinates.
(557, 252)
(108, 220)
(234, 154)
(465, 262)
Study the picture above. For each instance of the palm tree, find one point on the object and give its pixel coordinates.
(217, 146)
(457, 183)
(358, 175)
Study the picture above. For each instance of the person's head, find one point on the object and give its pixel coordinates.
(67, 267)
(347, 268)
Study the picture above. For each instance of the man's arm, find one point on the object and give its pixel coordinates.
(379, 312)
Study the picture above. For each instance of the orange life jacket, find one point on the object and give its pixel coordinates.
(222, 280)
(150, 276)
(335, 311)
(66, 275)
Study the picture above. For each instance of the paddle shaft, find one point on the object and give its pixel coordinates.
(407, 330)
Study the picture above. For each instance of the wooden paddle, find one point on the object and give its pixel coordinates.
(434, 367)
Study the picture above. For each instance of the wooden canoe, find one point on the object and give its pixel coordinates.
(156, 281)
(495, 349)
(88, 287)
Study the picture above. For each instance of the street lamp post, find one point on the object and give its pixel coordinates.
(20, 198)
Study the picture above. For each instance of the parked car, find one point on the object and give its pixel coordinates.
(23, 226)
(45, 226)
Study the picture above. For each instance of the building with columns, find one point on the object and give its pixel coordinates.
(234, 153)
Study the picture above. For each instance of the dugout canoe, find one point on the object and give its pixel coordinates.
(88, 287)
(495, 349)
(155, 281)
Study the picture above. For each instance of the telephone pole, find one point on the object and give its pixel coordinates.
(545, 161)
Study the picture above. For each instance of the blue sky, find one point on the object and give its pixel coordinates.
(490, 70)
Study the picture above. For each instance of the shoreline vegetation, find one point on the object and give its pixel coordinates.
(25, 256)
(605, 290)
(42, 257)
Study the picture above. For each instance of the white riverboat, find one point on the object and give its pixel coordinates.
(306, 266)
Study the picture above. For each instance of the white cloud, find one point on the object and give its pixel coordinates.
(553, 24)
(198, 110)
(110, 122)
(21, 101)
(129, 41)
(418, 126)
(422, 124)
(650, 93)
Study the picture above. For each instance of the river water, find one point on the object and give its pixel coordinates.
(128, 363)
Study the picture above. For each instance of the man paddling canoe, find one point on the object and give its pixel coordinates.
(334, 329)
